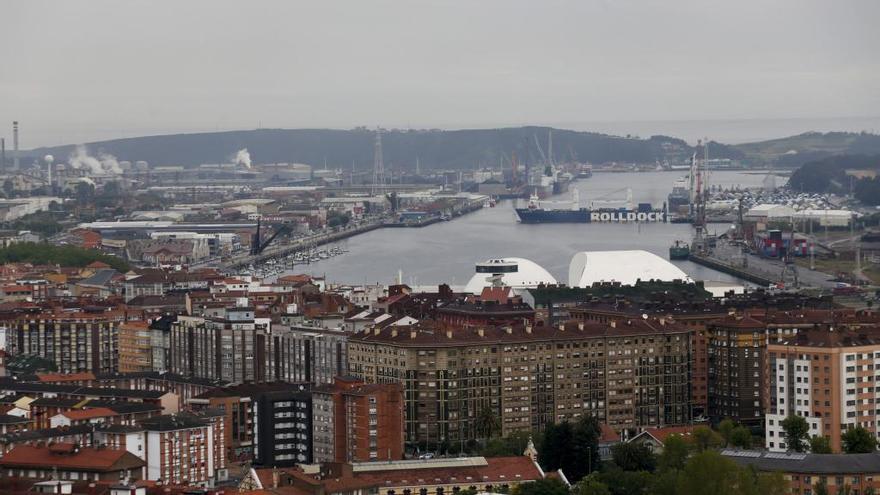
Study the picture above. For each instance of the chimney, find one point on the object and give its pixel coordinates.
(528, 328)
(15, 145)
(580, 325)
(481, 332)
(448, 334)
(508, 329)
(562, 327)
(2, 154)
(613, 323)
(275, 478)
(376, 330)
(412, 334)
(393, 332)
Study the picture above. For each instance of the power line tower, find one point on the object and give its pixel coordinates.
(378, 167)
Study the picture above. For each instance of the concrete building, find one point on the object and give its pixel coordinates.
(355, 422)
(828, 378)
(628, 374)
(736, 351)
(182, 449)
(135, 350)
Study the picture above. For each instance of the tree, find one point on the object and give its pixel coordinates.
(820, 445)
(585, 448)
(633, 457)
(820, 488)
(488, 423)
(725, 429)
(620, 482)
(588, 486)
(858, 441)
(705, 438)
(555, 445)
(546, 486)
(740, 437)
(674, 455)
(511, 445)
(708, 473)
(797, 432)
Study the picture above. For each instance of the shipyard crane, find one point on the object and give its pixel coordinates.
(540, 150)
(258, 245)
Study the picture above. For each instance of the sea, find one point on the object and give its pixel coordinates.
(446, 252)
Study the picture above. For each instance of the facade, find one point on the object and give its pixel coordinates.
(231, 349)
(828, 378)
(75, 343)
(736, 352)
(858, 474)
(134, 347)
(354, 422)
(182, 449)
(283, 430)
(628, 374)
(300, 354)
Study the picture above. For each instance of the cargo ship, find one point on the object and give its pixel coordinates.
(679, 251)
(534, 212)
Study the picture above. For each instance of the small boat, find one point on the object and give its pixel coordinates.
(679, 251)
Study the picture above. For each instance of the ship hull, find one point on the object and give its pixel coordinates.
(526, 215)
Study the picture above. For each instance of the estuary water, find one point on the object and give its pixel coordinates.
(446, 251)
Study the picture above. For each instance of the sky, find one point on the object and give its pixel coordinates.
(78, 71)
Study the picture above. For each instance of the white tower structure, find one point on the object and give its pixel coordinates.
(378, 167)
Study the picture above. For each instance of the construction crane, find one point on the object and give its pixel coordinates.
(540, 150)
(258, 245)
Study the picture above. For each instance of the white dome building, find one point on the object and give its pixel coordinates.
(517, 273)
(626, 267)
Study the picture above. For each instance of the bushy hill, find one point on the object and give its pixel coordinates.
(437, 149)
(795, 151)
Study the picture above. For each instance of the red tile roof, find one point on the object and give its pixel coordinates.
(86, 459)
(82, 414)
(65, 377)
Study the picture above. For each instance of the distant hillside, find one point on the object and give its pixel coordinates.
(829, 175)
(435, 149)
(439, 149)
(797, 150)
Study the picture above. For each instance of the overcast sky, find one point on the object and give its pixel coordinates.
(75, 71)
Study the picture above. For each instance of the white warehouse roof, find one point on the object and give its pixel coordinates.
(626, 267)
(518, 273)
(770, 211)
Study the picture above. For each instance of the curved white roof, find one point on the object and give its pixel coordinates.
(527, 274)
(626, 267)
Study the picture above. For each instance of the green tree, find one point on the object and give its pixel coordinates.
(633, 457)
(511, 445)
(725, 429)
(705, 438)
(584, 449)
(797, 433)
(546, 486)
(555, 445)
(709, 473)
(488, 423)
(820, 445)
(740, 437)
(820, 488)
(589, 486)
(620, 482)
(674, 455)
(858, 441)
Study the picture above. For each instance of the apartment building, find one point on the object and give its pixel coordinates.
(356, 422)
(828, 378)
(736, 351)
(135, 351)
(629, 374)
(75, 342)
(185, 449)
(283, 427)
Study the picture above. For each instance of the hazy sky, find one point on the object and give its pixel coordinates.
(74, 71)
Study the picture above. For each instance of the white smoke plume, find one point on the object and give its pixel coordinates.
(104, 164)
(242, 157)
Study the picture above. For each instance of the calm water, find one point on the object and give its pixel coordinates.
(447, 251)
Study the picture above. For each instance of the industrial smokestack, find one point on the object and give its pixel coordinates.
(15, 145)
(2, 155)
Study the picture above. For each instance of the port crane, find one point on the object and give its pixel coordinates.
(258, 245)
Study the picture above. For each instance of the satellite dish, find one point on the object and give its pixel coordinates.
(644, 316)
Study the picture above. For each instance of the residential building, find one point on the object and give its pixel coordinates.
(67, 461)
(182, 449)
(283, 427)
(75, 342)
(356, 422)
(858, 474)
(135, 347)
(828, 378)
(628, 374)
(736, 350)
